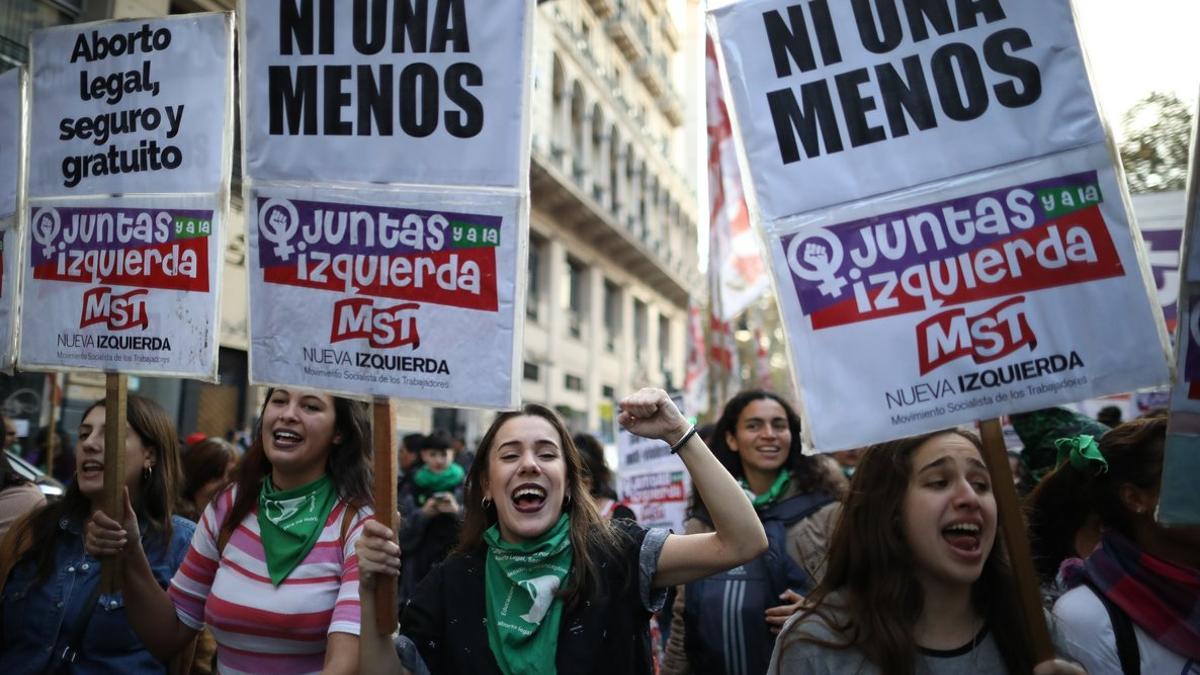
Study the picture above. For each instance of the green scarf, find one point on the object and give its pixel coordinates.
(772, 494)
(522, 613)
(290, 522)
(429, 482)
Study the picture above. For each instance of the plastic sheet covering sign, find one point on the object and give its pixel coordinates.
(386, 163)
(949, 240)
(653, 483)
(12, 100)
(402, 293)
(130, 147)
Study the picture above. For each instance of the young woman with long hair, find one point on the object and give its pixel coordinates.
(916, 580)
(54, 617)
(208, 466)
(757, 439)
(272, 570)
(540, 581)
(1134, 603)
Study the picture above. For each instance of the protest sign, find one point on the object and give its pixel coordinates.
(863, 98)
(387, 293)
(400, 246)
(131, 106)
(991, 298)
(130, 146)
(123, 284)
(12, 120)
(10, 251)
(1179, 501)
(12, 104)
(382, 92)
(948, 237)
(654, 483)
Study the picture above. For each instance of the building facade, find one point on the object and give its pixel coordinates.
(613, 232)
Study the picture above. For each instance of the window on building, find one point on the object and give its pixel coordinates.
(532, 372)
(608, 392)
(612, 315)
(19, 18)
(533, 298)
(640, 330)
(575, 299)
(664, 343)
(573, 383)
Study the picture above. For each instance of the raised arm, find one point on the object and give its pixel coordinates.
(150, 611)
(739, 536)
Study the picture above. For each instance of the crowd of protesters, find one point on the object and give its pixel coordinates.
(518, 556)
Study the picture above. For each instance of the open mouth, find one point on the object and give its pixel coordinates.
(529, 498)
(963, 537)
(285, 439)
(91, 469)
(769, 449)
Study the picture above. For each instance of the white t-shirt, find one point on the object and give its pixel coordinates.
(1084, 632)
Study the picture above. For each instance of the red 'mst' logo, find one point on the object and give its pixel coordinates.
(382, 327)
(984, 337)
(115, 311)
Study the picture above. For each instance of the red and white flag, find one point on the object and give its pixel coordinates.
(762, 362)
(736, 269)
(695, 380)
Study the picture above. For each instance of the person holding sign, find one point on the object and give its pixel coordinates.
(917, 581)
(540, 579)
(757, 438)
(55, 619)
(272, 569)
(1134, 605)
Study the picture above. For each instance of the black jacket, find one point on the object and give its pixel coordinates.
(606, 634)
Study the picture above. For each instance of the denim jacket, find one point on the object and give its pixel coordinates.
(37, 619)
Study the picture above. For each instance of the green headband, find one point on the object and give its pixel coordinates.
(1081, 451)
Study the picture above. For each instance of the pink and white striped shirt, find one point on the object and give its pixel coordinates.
(260, 628)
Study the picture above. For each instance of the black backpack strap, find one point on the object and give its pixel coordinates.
(1127, 646)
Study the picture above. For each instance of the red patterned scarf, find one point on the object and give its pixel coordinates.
(1162, 598)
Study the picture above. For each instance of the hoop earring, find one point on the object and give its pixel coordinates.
(485, 503)
(146, 473)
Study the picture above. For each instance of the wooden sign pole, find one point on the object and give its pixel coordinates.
(51, 432)
(384, 442)
(1012, 527)
(115, 393)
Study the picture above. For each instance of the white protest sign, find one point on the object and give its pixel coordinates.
(125, 285)
(653, 482)
(12, 102)
(9, 273)
(394, 293)
(131, 106)
(965, 300)
(383, 92)
(836, 101)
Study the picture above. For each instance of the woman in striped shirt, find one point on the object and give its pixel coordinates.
(271, 570)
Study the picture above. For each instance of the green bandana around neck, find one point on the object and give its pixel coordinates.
(772, 494)
(523, 614)
(290, 522)
(429, 482)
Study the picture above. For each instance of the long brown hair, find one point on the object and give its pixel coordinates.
(1066, 497)
(156, 499)
(871, 569)
(348, 463)
(591, 535)
(807, 475)
(203, 463)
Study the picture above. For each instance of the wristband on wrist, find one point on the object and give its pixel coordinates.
(683, 441)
